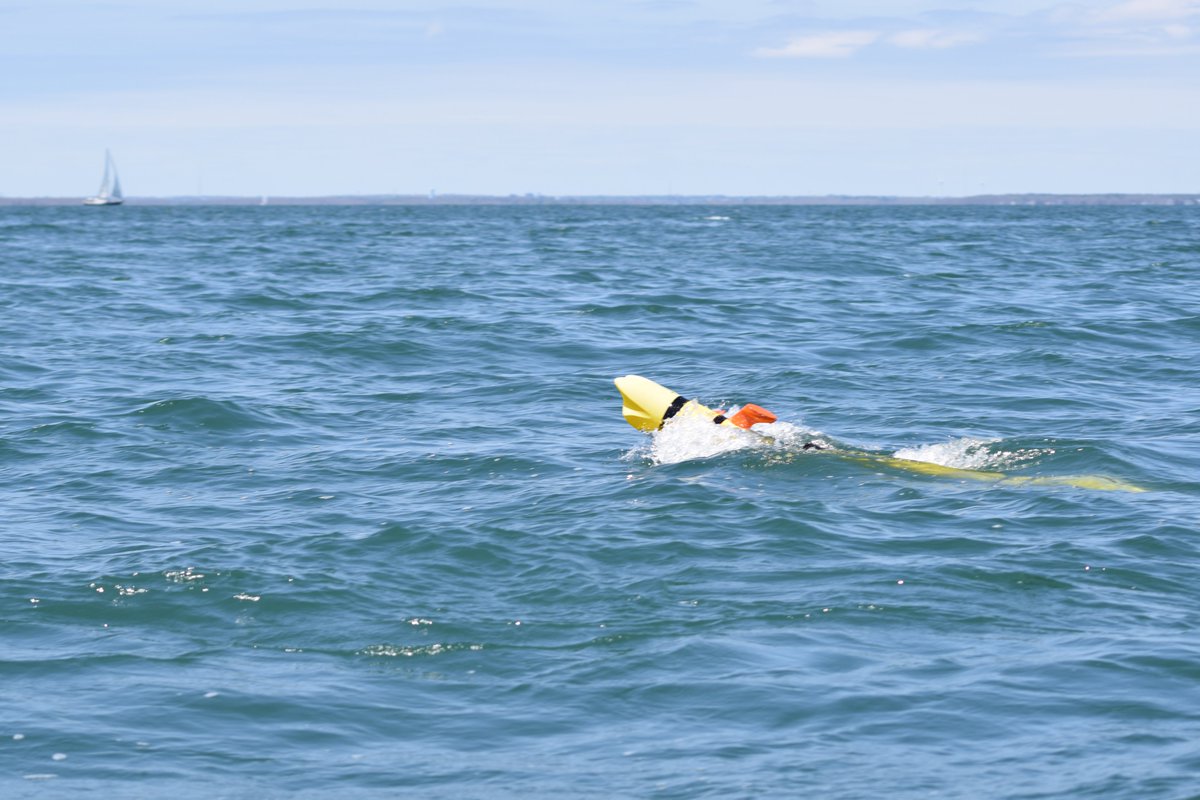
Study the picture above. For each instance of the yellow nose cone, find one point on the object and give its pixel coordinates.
(645, 402)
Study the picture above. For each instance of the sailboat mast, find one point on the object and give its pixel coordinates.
(114, 191)
(106, 181)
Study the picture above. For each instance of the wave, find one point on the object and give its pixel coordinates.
(198, 412)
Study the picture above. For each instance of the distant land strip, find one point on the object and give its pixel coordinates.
(1115, 199)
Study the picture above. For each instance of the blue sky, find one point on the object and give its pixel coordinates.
(313, 97)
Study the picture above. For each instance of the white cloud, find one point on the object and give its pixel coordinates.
(842, 44)
(1116, 29)
(1131, 29)
(1150, 11)
(831, 44)
(931, 39)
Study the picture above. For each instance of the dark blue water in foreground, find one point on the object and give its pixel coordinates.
(338, 502)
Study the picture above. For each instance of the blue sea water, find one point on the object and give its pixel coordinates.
(338, 502)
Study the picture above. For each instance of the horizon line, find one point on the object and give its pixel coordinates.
(530, 198)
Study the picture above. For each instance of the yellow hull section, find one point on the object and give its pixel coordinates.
(647, 405)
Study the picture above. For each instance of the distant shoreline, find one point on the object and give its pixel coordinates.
(1114, 199)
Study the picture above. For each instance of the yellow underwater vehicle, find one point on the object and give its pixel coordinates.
(648, 406)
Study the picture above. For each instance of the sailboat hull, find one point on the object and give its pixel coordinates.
(102, 201)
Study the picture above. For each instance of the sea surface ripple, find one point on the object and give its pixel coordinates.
(320, 501)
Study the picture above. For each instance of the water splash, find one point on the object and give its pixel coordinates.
(689, 438)
(971, 453)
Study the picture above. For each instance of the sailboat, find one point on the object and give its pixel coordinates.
(110, 186)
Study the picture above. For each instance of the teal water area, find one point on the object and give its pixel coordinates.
(338, 502)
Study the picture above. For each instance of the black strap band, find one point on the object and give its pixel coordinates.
(718, 419)
(679, 402)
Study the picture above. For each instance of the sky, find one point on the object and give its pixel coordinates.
(604, 97)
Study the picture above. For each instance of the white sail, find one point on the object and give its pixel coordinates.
(110, 186)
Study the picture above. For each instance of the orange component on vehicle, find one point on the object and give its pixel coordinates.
(751, 414)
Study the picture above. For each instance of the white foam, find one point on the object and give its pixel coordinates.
(689, 438)
(790, 437)
(969, 453)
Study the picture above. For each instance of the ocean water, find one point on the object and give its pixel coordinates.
(338, 502)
